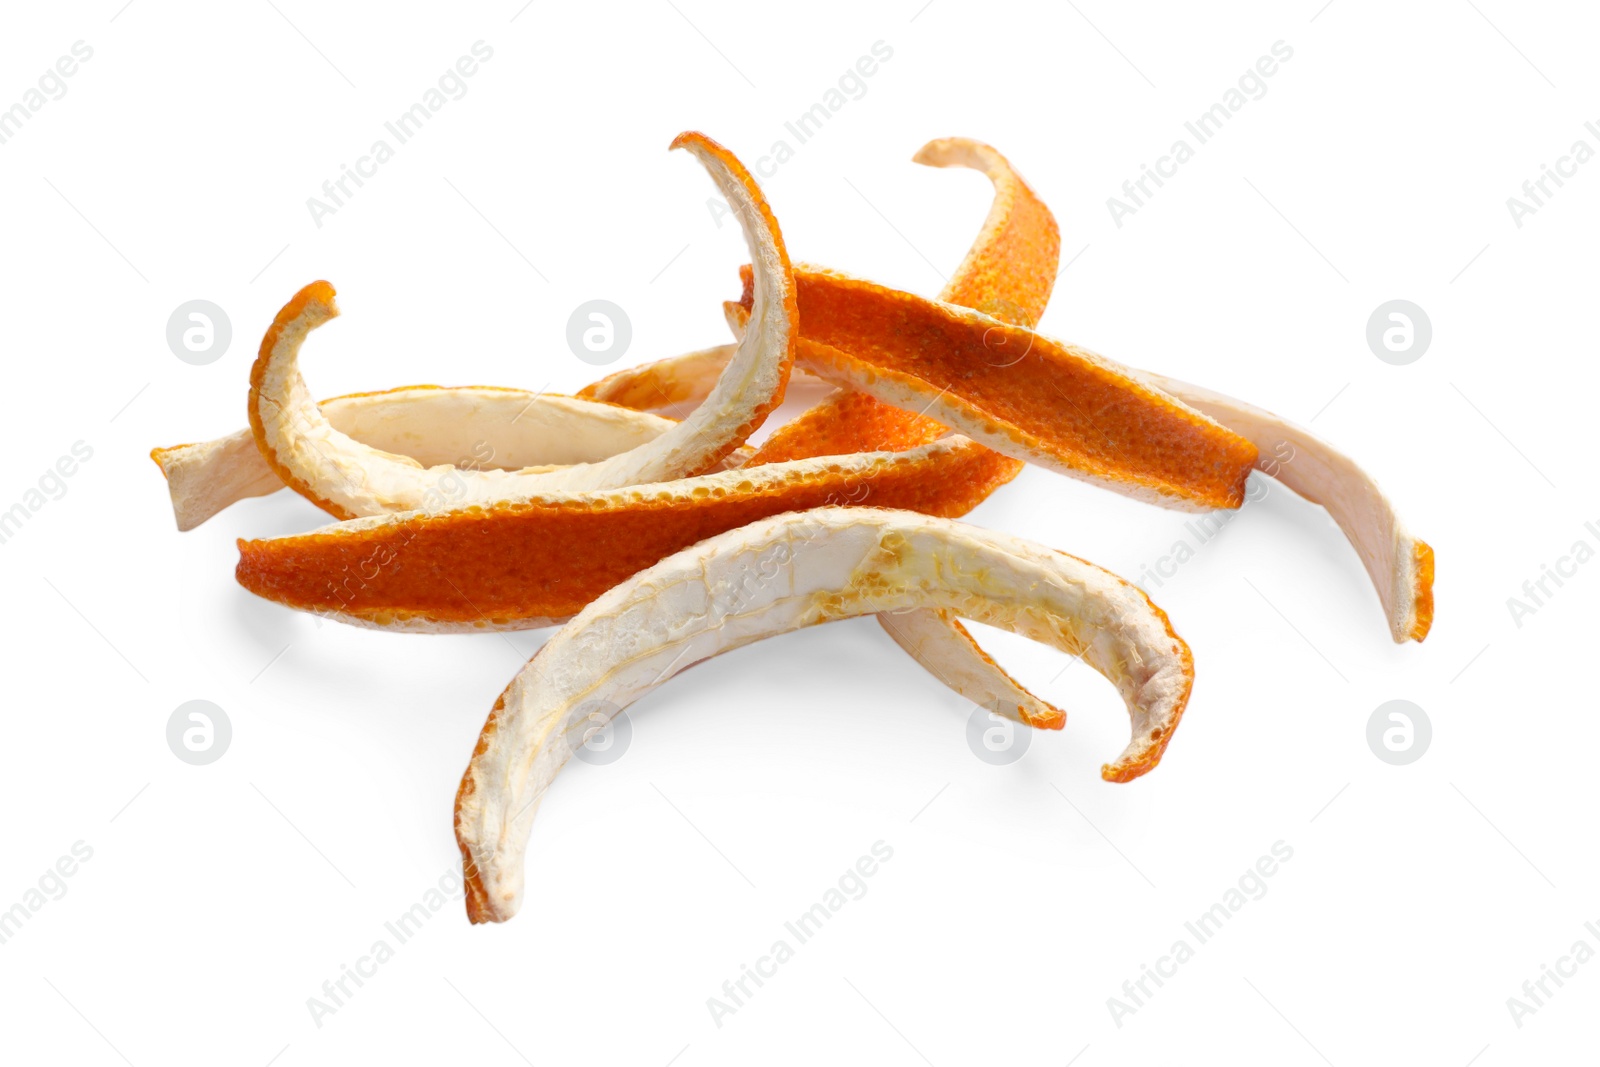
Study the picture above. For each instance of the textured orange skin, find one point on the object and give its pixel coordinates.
(1008, 274)
(1038, 391)
(540, 560)
(1011, 276)
(1422, 556)
(852, 422)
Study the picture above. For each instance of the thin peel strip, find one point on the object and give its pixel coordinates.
(1401, 566)
(509, 429)
(1023, 394)
(1008, 272)
(814, 566)
(520, 565)
(675, 385)
(349, 479)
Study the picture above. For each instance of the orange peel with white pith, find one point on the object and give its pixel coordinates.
(1019, 392)
(674, 385)
(349, 479)
(469, 425)
(1008, 272)
(1399, 564)
(527, 563)
(778, 575)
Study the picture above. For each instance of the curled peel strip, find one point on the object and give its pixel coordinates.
(674, 385)
(1011, 268)
(1058, 405)
(349, 479)
(1008, 272)
(434, 425)
(1400, 565)
(528, 563)
(811, 567)
(506, 570)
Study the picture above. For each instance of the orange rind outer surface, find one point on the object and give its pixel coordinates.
(517, 566)
(1019, 392)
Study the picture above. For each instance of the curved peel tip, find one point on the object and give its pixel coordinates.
(850, 561)
(1422, 591)
(692, 137)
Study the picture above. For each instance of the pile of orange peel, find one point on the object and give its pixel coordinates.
(656, 543)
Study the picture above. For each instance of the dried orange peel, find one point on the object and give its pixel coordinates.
(474, 425)
(1019, 392)
(349, 479)
(781, 574)
(1008, 272)
(674, 385)
(1011, 268)
(524, 564)
(1400, 565)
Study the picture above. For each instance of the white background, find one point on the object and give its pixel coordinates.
(1019, 899)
